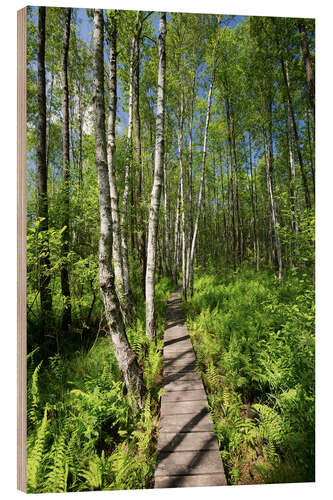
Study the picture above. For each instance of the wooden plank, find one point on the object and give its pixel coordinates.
(190, 481)
(182, 376)
(182, 407)
(187, 441)
(188, 462)
(182, 385)
(191, 395)
(200, 422)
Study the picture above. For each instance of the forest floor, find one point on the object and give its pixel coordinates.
(188, 450)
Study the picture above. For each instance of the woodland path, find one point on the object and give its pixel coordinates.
(188, 452)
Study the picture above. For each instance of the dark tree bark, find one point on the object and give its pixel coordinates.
(126, 358)
(66, 317)
(44, 260)
(296, 136)
(141, 232)
(310, 81)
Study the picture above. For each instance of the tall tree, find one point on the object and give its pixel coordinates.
(43, 212)
(126, 358)
(310, 81)
(202, 178)
(157, 184)
(130, 305)
(66, 318)
(141, 238)
(111, 154)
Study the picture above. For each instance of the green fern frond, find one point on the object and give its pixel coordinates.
(36, 457)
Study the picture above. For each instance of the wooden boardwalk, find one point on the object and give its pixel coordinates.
(188, 453)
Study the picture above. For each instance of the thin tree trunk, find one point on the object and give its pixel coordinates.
(141, 238)
(176, 237)
(43, 210)
(274, 220)
(311, 151)
(182, 202)
(202, 179)
(129, 301)
(166, 221)
(238, 223)
(111, 157)
(66, 318)
(225, 235)
(126, 358)
(190, 212)
(296, 137)
(157, 184)
(310, 81)
(231, 194)
(255, 238)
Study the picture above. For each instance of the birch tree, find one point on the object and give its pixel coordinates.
(157, 184)
(111, 155)
(126, 358)
(66, 318)
(202, 177)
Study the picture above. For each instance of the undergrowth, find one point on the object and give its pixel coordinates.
(82, 433)
(254, 342)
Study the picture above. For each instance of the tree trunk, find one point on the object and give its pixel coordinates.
(190, 164)
(310, 81)
(238, 223)
(141, 234)
(182, 202)
(274, 220)
(202, 179)
(255, 238)
(166, 222)
(129, 301)
(296, 137)
(176, 238)
(66, 318)
(111, 156)
(231, 194)
(43, 211)
(157, 184)
(126, 358)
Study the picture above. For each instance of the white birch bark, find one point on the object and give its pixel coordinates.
(111, 156)
(176, 238)
(157, 184)
(274, 219)
(129, 302)
(126, 358)
(166, 221)
(202, 179)
(182, 204)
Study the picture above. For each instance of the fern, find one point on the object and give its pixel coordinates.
(56, 478)
(36, 457)
(34, 397)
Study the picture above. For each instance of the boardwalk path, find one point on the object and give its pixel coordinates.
(188, 453)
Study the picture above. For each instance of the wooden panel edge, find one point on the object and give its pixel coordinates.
(21, 251)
